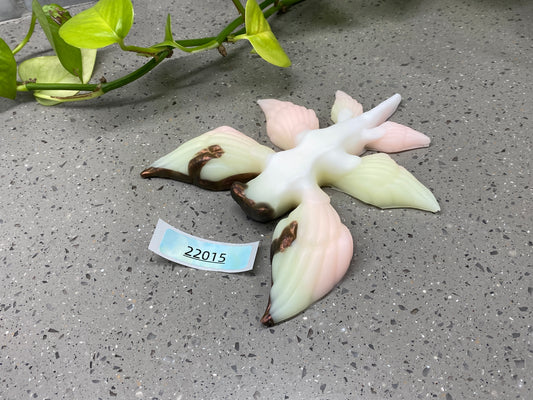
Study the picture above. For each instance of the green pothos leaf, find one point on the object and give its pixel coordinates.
(259, 34)
(8, 72)
(51, 18)
(48, 69)
(107, 22)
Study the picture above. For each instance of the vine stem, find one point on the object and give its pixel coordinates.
(144, 51)
(214, 42)
(28, 35)
(154, 62)
(239, 7)
(158, 55)
(97, 90)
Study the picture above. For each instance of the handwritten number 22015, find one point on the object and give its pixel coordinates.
(204, 255)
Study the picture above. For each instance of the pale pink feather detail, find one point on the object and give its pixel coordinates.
(397, 138)
(285, 120)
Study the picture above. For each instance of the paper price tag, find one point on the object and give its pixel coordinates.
(195, 252)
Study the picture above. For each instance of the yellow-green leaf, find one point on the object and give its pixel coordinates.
(259, 34)
(51, 18)
(48, 69)
(8, 72)
(254, 19)
(268, 47)
(107, 22)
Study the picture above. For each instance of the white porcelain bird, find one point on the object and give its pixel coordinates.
(311, 248)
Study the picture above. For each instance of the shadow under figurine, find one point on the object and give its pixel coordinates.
(311, 248)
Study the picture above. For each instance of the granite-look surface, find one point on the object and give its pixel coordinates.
(434, 306)
(11, 9)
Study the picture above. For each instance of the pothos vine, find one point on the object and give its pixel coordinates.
(66, 76)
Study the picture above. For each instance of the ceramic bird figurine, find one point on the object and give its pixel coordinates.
(311, 248)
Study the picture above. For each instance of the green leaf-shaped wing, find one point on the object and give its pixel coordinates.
(380, 181)
(8, 72)
(107, 22)
(213, 160)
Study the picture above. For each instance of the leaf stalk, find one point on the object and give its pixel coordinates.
(96, 89)
(28, 35)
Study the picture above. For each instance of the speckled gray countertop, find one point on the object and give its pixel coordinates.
(434, 306)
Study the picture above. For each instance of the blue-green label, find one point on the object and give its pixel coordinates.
(204, 254)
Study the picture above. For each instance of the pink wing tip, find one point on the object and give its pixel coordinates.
(267, 104)
(398, 138)
(286, 120)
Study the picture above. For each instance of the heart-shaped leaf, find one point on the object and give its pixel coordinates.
(107, 22)
(48, 69)
(259, 34)
(51, 18)
(8, 72)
